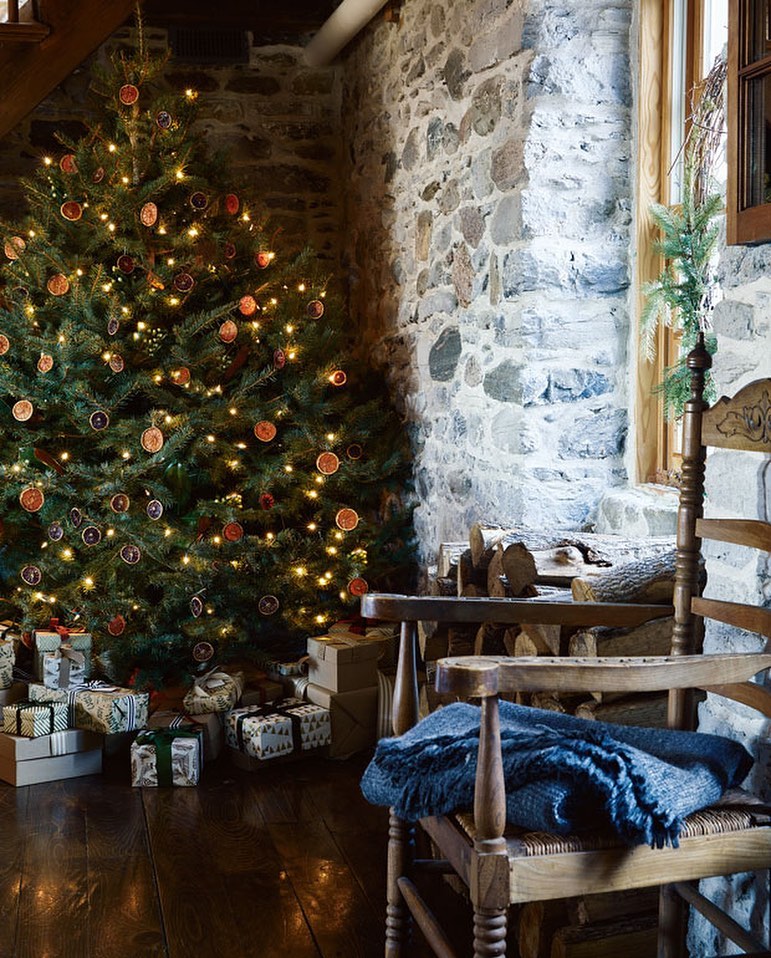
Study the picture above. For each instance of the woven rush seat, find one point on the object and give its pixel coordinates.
(739, 813)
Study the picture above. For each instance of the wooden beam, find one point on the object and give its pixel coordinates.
(30, 72)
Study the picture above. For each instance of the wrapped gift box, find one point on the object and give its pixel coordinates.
(63, 668)
(7, 659)
(68, 754)
(214, 692)
(166, 756)
(209, 723)
(343, 662)
(386, 635)
(32, 719)
(98, 706)
(278, 729)
(353, 718)
(46, 640)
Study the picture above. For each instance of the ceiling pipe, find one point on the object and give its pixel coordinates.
(341, 27)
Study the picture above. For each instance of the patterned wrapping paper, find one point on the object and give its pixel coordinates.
(32, 719)
(49, 641)
(214, 692)
(209, 723)
(167, 756)
(63, 668)
(99, 707)
(278, 729)
(7, 659)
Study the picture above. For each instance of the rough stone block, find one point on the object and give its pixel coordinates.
(507, 168)
(485, 111)
(472, 224)
(463, 275)
(444, 355)
(506, 221)
(455, 73)
(599, 435)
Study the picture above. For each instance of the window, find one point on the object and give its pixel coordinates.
(679, 40)
(749, 122)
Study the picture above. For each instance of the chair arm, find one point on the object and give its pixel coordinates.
(429, 608)
(471, 676)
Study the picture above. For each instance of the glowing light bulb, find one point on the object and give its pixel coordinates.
(180, 175)
(167, 418)
(110, 533)
(166, 533)
(288, 468)
(103, 217)
(170, 261)
(125, 454)
(124, 180)
(269, 536)
(106, 356)
(210, 438)
(217, 540)
(64, 456)
(141, 325)
(331, 550)
(233, 411)
(185, 560)
(192, 232)
(78, 272)
(330, 437)
(47, 160)
(301, 287)
(240, 445)
(290, 328)
(88, 582)
(312, 527)
(112, 147)
(312, 494)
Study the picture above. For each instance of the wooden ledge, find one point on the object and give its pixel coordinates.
(32, 32)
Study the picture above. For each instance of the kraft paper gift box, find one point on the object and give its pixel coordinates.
(386, 635)
(7, 659)
(343, 662)
(262, 692)
(49, 758)
(209, 723)
(353, 717)
(46, 640)
(278, 729)
(166, 756)
(32, 719)
(98, 706)
(215, 691)
(63, 668)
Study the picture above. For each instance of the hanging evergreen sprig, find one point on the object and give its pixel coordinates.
(684, 294)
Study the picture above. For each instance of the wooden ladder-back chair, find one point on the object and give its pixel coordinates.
(502, 866)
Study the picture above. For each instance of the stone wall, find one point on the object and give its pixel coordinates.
(276, 118)
(488, 229)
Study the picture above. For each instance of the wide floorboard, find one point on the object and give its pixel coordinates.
(288, 862)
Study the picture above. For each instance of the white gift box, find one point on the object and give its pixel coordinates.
(278, 729)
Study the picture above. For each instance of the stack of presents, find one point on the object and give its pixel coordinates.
(58, 722)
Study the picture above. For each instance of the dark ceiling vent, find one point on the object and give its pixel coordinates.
(209, 45)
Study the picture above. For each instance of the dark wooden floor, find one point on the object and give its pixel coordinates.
(285, 863)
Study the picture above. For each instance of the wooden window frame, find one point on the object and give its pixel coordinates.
(655, 436)
(743, 224)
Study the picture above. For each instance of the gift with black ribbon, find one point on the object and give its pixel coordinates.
(166, 756)
(32, 719)
(277, 729)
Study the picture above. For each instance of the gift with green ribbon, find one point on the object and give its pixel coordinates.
(167, 756)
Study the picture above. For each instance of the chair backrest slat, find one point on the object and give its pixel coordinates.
(754, 533)
(749, 617)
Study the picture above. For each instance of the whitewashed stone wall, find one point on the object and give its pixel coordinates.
(488, 230)
(742, 485)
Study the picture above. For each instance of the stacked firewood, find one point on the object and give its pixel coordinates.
(581, 567)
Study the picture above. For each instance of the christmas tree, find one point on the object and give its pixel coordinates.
(194, 466)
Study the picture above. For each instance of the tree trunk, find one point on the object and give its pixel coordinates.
(651, 579)
(650, 638)
(649, 709)
(447, 557)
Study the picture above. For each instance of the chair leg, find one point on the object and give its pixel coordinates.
(673, 916)
(401, 852)
(490, 933)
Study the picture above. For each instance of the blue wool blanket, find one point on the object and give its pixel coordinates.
(563, 774)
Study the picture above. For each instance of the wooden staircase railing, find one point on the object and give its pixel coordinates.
(12, 30)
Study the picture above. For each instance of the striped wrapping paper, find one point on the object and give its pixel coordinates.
(33, 719)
